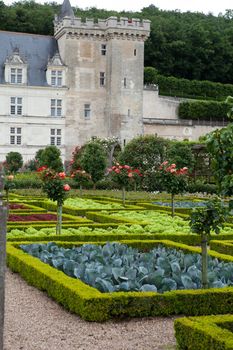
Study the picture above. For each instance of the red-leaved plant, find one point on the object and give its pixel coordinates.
(123, 175)
(172, 180)
(56, 188)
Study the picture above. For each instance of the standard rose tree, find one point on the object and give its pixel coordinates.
(172, 180)
(56, 188)
(123, 175)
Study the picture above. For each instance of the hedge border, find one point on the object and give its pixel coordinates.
(92, 305)
(204, 333)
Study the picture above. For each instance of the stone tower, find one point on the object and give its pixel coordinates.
(105, 62)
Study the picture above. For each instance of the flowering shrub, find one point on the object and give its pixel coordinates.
(54, 184)
(123, 174)
(81, 176)
(171, 179)
(56, 189)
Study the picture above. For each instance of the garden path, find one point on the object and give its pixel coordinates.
(35, 322)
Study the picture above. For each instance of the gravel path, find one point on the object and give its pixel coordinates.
(35, 322)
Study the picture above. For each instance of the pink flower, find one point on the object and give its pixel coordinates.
(62, 175)
(173, 165)
(126, 166)
(172, 170)
(164, 163)
(66, 187)
(130, 174)
(117, 171)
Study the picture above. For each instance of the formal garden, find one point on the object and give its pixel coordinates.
(143, 232)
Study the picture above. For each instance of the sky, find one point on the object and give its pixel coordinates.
(205, 6)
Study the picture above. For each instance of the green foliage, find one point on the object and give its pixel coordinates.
(144, 152)
(181, 154)
(116, 267)
(209, 218)
(203, 110)
(150, 75)
(50, 157)
(204, 333)
(93, 160)
(14, 161)
(219, 144)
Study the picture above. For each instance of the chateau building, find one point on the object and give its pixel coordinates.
(85, 81)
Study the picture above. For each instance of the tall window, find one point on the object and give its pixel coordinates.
(56, 108)
(16, 76)
(102, 78)
(15, 136)
(56, 78)
(125, 82)
(103, 49)
(55, 137)
(87, 111)
(16, 106)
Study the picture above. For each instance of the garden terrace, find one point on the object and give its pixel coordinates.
(93, 305)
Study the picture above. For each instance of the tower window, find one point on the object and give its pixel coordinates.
(103, 49)
(102, 78)
(135, 52)
(125, 82)
(87, 110)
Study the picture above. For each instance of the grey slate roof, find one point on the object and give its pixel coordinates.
(35, 49)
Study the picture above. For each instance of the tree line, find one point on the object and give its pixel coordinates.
(185, 45)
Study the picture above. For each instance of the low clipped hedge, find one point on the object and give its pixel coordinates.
(222, 247)
(204, 110)
(93, 305)
(99, 217)
(204, 333)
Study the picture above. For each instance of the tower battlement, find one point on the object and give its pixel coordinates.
(133, 28)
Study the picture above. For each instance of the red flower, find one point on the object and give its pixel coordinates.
(66, 187)
(42, 168)
(62, 175)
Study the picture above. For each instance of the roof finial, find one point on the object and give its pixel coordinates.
(66, 10)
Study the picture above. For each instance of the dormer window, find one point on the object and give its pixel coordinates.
(15, 69)
(56, 77)
(16, 75)
(56, 71)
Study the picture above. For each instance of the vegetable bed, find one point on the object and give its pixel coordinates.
(94, 305)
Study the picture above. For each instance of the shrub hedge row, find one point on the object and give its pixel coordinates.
(204, 110)
(92, 305)
(225, 247)
(204, 333)
(171, 86)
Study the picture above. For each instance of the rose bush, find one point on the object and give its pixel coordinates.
(123, 175)
(172, 180)
(56, 189)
